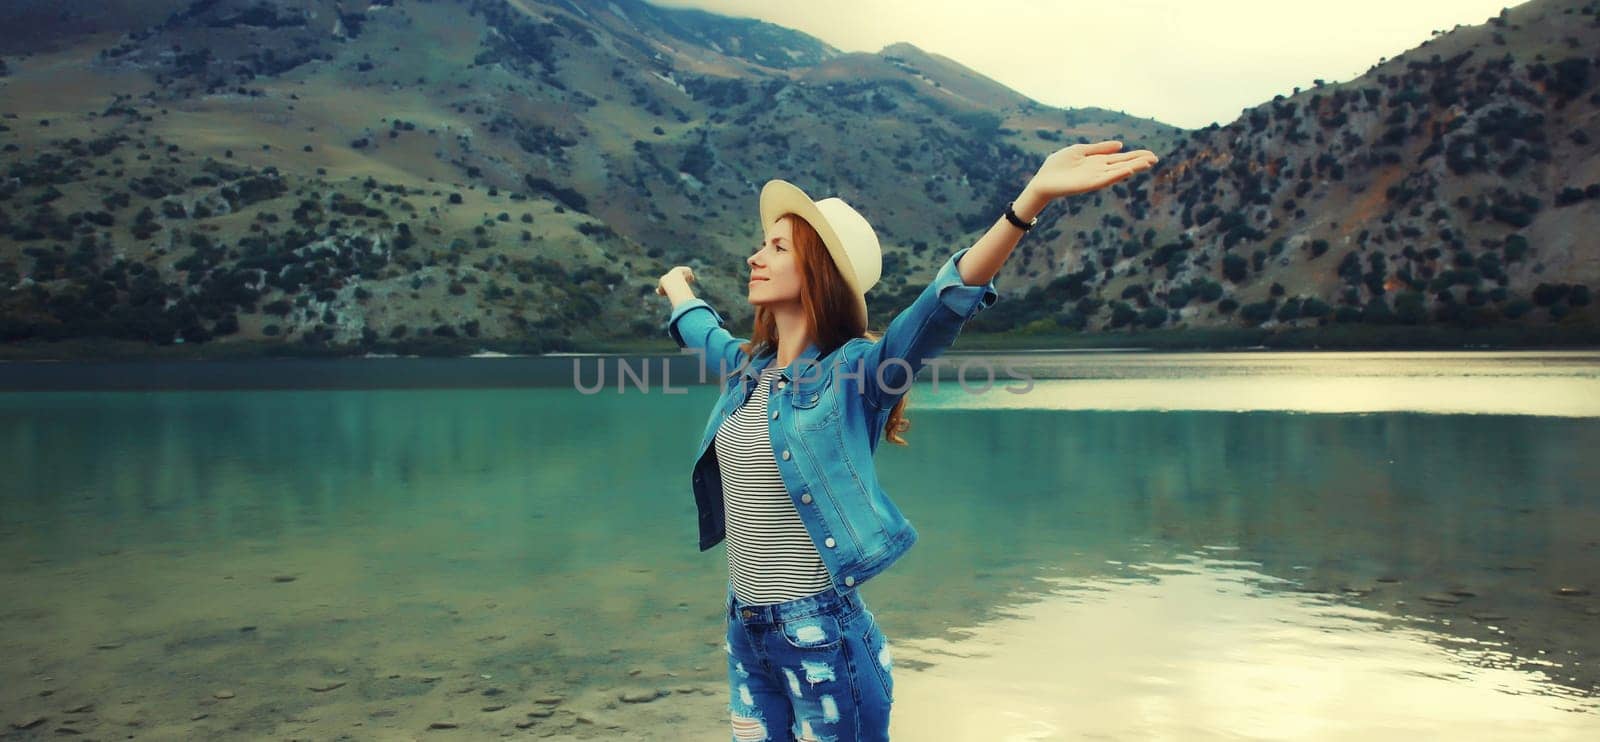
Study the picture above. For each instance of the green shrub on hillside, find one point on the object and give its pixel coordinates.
(1516, 248)
(1258, 312)
(1410, 307)
(1153, 317)
(1122, 314)
(1234, 268)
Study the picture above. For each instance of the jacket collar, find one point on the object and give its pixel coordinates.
(800, 364)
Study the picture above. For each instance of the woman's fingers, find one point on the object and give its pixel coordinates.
(1128, 169)
(682, 270)
(1126, 156)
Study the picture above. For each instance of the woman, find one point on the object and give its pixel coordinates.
(784, 470)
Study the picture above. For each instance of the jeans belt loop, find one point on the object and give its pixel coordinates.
(846, 600)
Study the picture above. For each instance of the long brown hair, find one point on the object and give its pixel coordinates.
(829, 304)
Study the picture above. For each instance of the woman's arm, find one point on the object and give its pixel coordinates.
(1080, 168)
(884, 368)
(965, 284)
(696, 327)
(674, 285)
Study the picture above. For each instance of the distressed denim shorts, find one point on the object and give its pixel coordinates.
(816, 668)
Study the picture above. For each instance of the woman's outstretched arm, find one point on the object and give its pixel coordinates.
(1080, 168)
(674, 284)
(696, 326)
(964, 285)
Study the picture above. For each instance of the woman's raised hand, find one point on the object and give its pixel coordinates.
(680, 275)
(1082, 168)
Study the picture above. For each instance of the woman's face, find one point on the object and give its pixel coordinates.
(774, 269)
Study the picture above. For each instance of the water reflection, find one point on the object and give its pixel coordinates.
(1199, 649)
(1343, 553)
(1558, 398)
(1559, 384)
(204, 468)
(1395, 512)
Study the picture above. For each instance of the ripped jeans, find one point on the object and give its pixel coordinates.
(816, 668)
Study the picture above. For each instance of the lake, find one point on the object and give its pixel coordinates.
(1187, 546)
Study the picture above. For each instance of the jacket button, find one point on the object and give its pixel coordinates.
(849, 581)
(828, 542)
(782, 384)
(813, 398)
(785, 454)
(774, 414)
(805, 497)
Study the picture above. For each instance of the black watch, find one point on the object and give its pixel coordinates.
(1016, 221)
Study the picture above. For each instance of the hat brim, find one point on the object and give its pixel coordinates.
(780, 197)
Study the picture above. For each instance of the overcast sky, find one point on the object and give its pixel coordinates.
(1183, 63)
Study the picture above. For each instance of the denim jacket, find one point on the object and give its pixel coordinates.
(826, 420)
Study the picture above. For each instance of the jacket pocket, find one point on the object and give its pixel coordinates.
(808, 391)
(813, 403)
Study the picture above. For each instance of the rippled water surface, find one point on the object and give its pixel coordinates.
(1141, 546)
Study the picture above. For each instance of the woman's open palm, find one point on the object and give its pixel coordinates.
(1082, 168)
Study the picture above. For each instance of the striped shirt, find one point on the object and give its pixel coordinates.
(771, 558)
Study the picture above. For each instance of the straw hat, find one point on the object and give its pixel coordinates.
(850, 239)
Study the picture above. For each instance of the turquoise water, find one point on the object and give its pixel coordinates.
(1156, 560)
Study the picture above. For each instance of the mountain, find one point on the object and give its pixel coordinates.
(1454, 184)
(423, 176)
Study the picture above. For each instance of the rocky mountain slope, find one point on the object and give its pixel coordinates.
(413, 174)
